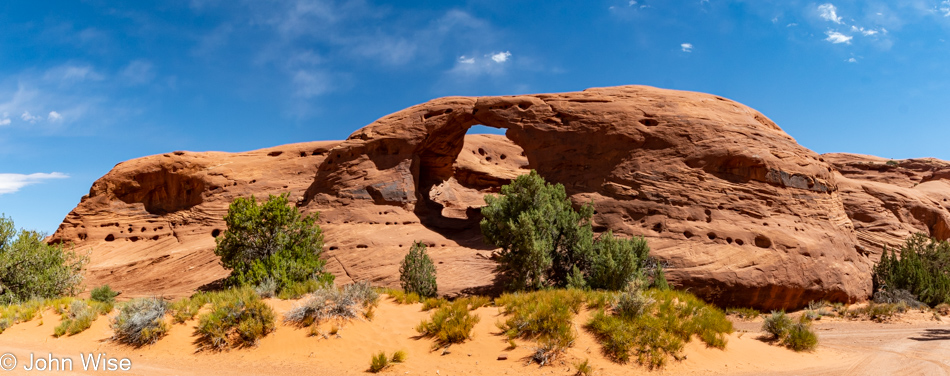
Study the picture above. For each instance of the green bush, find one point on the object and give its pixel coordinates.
(78, 319)
(922, 267)
(140, 322)
(32, 269)
(296, 290)
(615, 262)
(801, 337)
(239, 319)
(379, 362)
(659, 278)
(661, 330)
(270, 243)
(417, 272)
(546, 243)
(450, 324)
(796, 336)
(103, 294)
(777, 325)
(541, 236)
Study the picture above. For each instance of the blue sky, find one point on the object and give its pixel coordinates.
(87, 84)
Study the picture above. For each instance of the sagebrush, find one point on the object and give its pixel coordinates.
(140, 322)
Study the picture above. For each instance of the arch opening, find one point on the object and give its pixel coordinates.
(481, 159)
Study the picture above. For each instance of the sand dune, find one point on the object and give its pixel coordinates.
(913, 346)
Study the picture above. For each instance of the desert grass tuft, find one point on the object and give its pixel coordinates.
(660, 330)
(239, 318)
(450, 324)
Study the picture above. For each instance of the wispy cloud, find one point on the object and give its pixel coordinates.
(836, 37)
(829, 12)
(70, 73)
(687, 47)
(852, 60)
(311, 83)
(54, 116)
(11, 183)
(5, 121)
(137, 72)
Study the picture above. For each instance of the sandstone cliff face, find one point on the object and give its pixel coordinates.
(890, 200)
(744, 214)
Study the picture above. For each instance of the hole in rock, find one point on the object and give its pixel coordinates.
(649, 122)
(215, 233)
(134, 238)
(362, 246)
(110, 237)
(457, 171)
(729, 240)
(155, 237)
(333, 248)
(762, 241)
(711, 236)
(303, 154)
(162, 191)
(275, 153)
(740, 242)
(687, 234)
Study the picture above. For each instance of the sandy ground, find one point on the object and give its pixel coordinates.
(916, 345)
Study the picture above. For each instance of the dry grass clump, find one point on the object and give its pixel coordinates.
(327, 303)
(238, 318)
(23, 312)
(379, 361)
(79, 318)
(747, 314)
(544, 316)
(654, 325)
(450, 324)
(402, 297)
(140, 322)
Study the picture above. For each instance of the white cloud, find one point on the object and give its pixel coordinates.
(4, 121)
(829, 13)
(945, 8)
(501, 57)
(791, 25)
(29, 117)
(311, 83)
(852, 60)
(10, 183)
(687, 47)
(466, 60)
(836, 37)
(866, 32)
(138, 72)
(69, 73)
(54, 116)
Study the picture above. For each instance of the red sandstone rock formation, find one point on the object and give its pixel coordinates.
(890, 200)
(745, 215)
